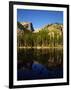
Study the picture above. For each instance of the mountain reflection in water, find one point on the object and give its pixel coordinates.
(40, 64)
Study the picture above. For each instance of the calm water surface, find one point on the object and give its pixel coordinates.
(39, 64)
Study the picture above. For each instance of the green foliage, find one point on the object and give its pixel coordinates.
(45, 37)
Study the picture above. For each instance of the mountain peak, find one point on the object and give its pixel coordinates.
(28, 25)
(50, 27)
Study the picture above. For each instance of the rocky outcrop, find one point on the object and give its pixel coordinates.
(28, 25)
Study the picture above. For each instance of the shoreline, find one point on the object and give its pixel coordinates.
(39, 47)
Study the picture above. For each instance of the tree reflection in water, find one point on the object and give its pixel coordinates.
(39, 63)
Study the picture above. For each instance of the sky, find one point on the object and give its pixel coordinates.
(39, 18)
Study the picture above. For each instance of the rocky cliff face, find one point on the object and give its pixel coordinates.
(28, 25)
(50, 28)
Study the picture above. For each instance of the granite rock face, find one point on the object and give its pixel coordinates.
(28, 25)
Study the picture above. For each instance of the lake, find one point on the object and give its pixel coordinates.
(39, 63)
